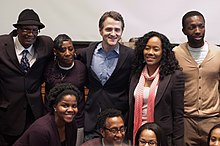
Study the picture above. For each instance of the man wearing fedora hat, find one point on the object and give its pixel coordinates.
(23, 57)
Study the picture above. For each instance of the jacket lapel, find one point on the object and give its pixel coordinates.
(161, 88)
(89, 56)
(10, 49)
(121, 59)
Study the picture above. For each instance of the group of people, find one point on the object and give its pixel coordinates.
(153, 94)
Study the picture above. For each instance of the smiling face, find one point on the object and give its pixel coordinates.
(114, 132)
(27, 35)
(66, 109)
(153, 52)
(194, 29)
(111, 33)
(65, 53)
(215, 137)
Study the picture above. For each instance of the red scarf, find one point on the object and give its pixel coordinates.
(139, 96)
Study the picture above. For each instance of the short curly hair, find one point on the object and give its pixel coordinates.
(60, 90)
(107, 113)
(168, 62)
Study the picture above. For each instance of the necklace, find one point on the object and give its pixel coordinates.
(64, 70)
(63, 75)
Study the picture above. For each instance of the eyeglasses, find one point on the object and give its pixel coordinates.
(116, 130)
(150, 142)
(28, 30)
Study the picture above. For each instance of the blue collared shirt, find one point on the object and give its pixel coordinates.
(104, 63)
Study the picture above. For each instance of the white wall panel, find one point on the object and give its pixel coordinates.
(79, 18)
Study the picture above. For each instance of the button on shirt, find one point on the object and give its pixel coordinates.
(201, 96)
(104, 63)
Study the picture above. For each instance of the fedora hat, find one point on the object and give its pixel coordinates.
(28, 17)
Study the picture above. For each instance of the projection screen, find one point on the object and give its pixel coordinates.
(79, 18)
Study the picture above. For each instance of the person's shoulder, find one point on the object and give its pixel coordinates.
(78, 63)
(44, 38)
(124, 144)
(180, 46)
(178, 75)
(93, 142)
(5, 38)
(41, 125)
(50, 65)
(178, 72)
(213, 47)
(45, 120)
(44, 42)
(91, 45)
(84, 50)
(126, 50)
(126, 47)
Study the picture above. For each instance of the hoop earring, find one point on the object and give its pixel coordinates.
(74, 56)
(55, 58)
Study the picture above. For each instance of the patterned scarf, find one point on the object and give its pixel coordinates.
(139, 96)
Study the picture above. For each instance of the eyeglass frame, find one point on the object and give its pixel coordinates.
(27, 30)
(121, 129)
(149, 142)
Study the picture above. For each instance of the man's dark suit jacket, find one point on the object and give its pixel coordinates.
(114, 93)
(44, 132)
(168, 111)
(17, 89)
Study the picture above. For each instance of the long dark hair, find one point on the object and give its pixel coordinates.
(168, 62)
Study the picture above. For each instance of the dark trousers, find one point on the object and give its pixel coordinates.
(9, 140)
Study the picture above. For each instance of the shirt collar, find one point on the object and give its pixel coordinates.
(204, 47)
(20, 48)
(99, 48)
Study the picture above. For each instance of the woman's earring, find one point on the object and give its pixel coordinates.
(55, 57)
(74, 56)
